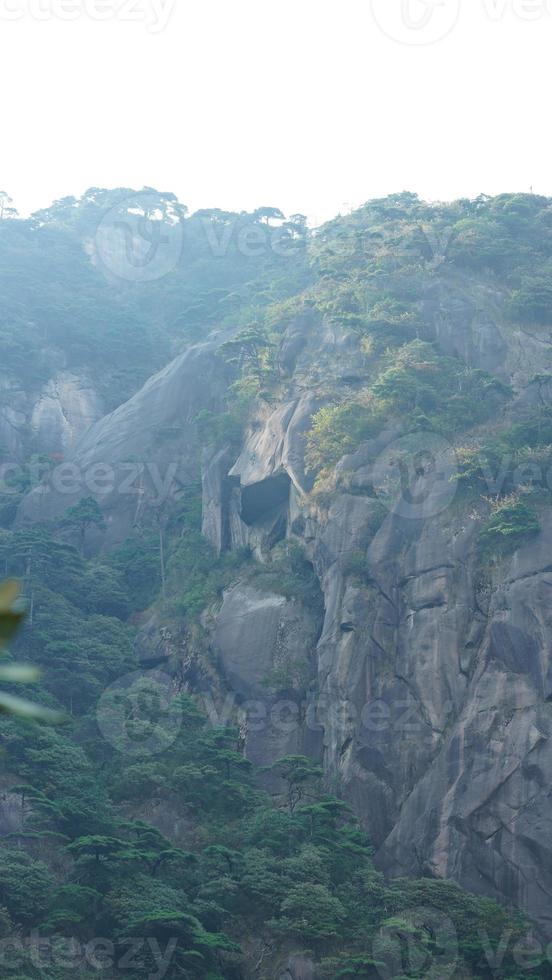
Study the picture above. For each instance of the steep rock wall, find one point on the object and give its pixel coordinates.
(427, 698)
(433, 696)
(53, 416)
(139, 458)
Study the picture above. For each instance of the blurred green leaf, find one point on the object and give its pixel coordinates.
(12, 705)
(19, 673)
(10, 618)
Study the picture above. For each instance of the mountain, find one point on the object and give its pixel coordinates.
(297, 484)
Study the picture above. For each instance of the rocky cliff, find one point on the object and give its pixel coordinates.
(432, 693)
(417, 668)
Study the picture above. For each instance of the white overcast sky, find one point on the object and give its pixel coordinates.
(307, 105)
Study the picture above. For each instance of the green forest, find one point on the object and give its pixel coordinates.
(162, 850)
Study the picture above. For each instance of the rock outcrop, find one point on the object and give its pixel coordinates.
(56, 415)
(265, 645)
(433, 695)
(427, 696)
(140, 457)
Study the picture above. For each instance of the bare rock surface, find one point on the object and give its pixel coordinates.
(57, 414)
(139, 457)
(432, 699)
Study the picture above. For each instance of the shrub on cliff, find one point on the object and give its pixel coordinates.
(511, 521)
(532, 302)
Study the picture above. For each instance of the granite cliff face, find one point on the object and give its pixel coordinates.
(432, 694)
(421, 677)
(139, 457)
(55, 414)
(431, 709)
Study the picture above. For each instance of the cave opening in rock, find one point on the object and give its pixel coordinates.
(261, 499)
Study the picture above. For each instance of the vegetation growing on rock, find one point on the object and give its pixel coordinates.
(386, 318)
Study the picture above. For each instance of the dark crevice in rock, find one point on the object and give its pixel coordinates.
(228, 485)
(422, 709)
(261, 499)
(521, 578)
(376, 585)
(372, 759)
(346, 745)
(381, 649)
(424, 571)
(430, 604)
